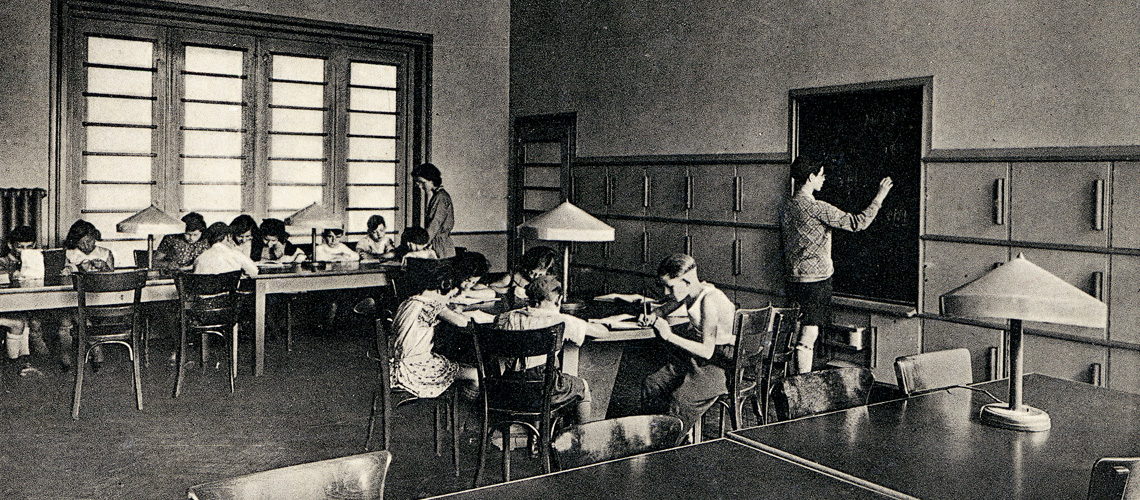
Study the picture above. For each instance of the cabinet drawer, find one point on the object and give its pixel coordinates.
(712, 187)
(1062, 202)
(968, 200)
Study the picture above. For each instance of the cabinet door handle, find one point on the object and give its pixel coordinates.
(1098, 205)
(738, 194)
(606, 250)
(688, 192)
(1096, 373)
(736, 257)
(572, 193)
(688, 245)
(644, 247)
(609, 194)
(645, 191)
(999, 201)
(1097, 282)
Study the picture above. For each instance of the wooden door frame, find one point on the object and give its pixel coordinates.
(562, 127)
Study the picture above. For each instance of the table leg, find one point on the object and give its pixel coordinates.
(258, 328)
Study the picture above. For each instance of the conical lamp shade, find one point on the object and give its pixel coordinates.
(566, 222)
(1021, 290)
(150, 220)
(314, 216)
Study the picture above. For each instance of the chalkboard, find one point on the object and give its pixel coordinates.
(863, 136)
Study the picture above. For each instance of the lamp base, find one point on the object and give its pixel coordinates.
(1027, 419)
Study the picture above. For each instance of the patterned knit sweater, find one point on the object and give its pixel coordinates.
(806, 225)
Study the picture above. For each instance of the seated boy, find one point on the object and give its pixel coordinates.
(332, 249)
(24, 332)
(544, 298)
(377, 244)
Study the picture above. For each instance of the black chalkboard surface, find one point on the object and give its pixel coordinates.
(863, 136)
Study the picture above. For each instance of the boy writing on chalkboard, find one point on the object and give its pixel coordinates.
(806, 224)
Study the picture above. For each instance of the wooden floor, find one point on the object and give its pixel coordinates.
(312, 404)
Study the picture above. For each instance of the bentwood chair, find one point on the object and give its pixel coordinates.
(1115, 479)
(783, 326)
(929, 371)
(208, 305)
(523, 398)
(355, 477)
(822, 391)
(751, 329)
(387, 399)
(108, 314)
(594, 442)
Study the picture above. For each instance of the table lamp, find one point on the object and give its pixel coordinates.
(1018, 291)
(566, 223)
(150, 220)
(313, 217)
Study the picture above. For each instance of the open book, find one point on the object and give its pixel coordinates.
(619, 322)
(632, 298)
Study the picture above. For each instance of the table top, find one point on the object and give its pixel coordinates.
(934, 447)
(710, 470)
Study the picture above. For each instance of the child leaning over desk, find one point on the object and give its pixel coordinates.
(83, 254)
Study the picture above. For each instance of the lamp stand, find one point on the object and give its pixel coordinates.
(1015, 416)
(149, 251)
(566, 269)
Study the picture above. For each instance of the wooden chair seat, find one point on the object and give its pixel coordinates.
(822, 391)
(355, 477)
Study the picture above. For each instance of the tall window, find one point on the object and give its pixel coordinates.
(263, 119)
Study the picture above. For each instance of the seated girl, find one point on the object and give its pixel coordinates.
(178, 251)
(415, 244)
(332, 249)
(225, 254)
(694, 375)
(536, 261)
(277, 247)
(416, 368)
(377, 244)
(82, 253)
(24, 335)
(472, 265)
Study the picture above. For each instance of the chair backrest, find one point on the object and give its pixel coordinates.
(752, 342)
(822, 391)
(615, 438)
(929, 371)
(355, 477)
(783, 325)
(1115, 479)
(510, 390)
(115, 313)
(209, 300)
(55, 259)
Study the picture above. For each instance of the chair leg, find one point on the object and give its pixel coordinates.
(80, 366)
(435, 432)
(181, 360)
(146, 342)
(233, 357)
(697, 430)
(202, 346)
(486, 436)
(455, 430)
(371, 421)
(289, 324)
(505, 433)
(723, 416)
(135, 364)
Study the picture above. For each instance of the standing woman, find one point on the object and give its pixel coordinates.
(440, 212)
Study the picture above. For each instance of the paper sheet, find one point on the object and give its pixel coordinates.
(480, 317)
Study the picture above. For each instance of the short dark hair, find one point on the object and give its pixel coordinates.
(538, 258)
(415, 234)
(802, 167)
(675, 265)
(375, 221)
(243, 223)
(274, 227)
(78, 230)
(470, 265)
(194, 222)
(217, 232)
(22, 234)
(329, 231)
(429, 172)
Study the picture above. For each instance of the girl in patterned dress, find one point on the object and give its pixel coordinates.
(415, 367)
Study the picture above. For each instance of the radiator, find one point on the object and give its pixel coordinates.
(20, 207)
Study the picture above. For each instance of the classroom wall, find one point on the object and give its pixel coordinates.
(469, 95)
(697, 76)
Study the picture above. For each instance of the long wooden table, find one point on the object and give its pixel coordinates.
(58, 292)
(934, 447)
(714, 469)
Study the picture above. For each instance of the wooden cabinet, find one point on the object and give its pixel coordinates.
(985, 345)
(760, 263)
(1124, 300)
(948, 266)
(1062, 202)
(629, 187)
(712, 247)
(1126, 205)
(759, 192)
(968, 200)
(591, 188)
(1062, 359)
(669, 191)
(1084, 270)
(712, 187)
